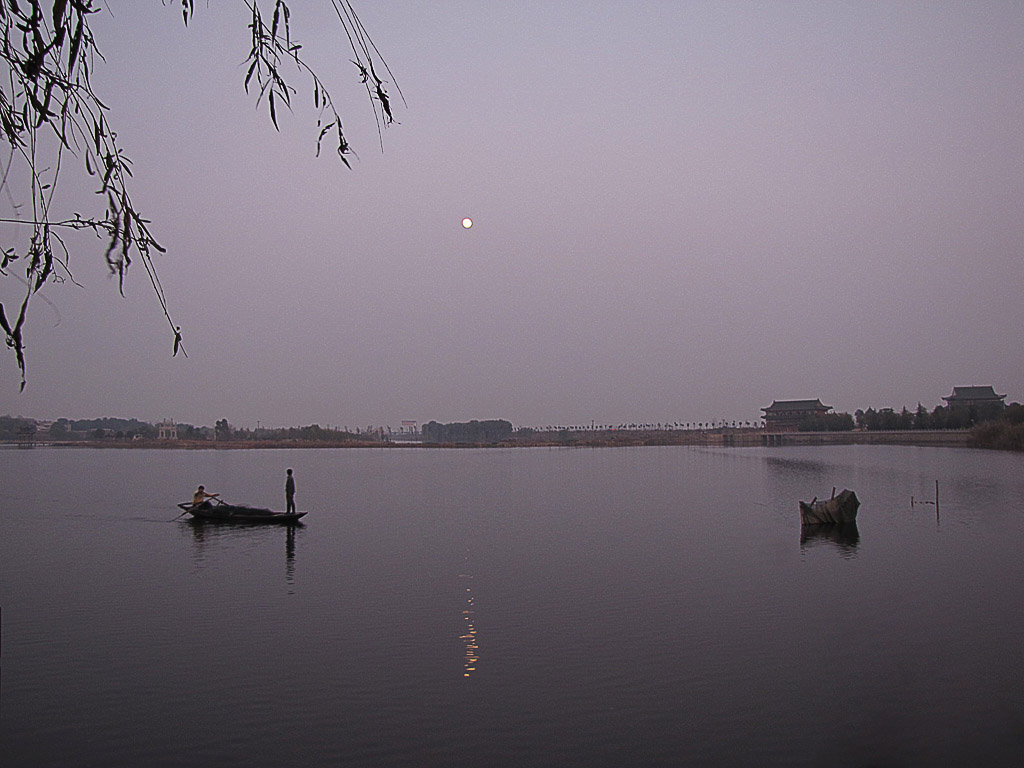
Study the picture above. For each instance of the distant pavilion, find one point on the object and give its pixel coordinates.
(983, 400)
(786, 415)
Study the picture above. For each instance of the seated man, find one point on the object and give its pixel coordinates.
(200, 496)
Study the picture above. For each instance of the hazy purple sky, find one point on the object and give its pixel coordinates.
(682, 212)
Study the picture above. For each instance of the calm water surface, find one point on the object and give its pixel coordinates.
(529, 607)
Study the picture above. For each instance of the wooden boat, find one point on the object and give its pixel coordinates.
(838, 509)
(236, 513)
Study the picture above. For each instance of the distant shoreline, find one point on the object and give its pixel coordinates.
(582, 439)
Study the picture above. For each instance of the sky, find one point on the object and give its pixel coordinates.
(682, 212)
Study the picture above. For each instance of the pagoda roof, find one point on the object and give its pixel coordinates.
(974, 393)
(796, 405)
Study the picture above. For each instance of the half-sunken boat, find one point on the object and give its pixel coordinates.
(838, 509)
(237, 513)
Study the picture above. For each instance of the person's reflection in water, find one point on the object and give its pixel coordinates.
(289, 555)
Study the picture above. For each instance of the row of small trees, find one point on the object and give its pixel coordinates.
(100, 429)
(69, 430)
(12, 427)
(872, 419)
(313, 433)
(940, 417)
(827, 422)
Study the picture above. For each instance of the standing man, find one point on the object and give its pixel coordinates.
(289, 492)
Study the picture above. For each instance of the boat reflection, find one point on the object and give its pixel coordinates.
(209, 537)
(844, 536)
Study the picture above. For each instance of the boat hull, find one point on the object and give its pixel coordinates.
(233, 513)
(839, 509)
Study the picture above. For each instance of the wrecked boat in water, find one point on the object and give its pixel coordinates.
(838, 509)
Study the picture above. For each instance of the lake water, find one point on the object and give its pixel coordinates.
(521, 607)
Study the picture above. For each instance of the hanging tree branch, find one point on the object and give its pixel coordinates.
(273, 45)
(48, 109)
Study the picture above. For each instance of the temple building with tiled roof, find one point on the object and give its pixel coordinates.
(786, 415)
(983, 400)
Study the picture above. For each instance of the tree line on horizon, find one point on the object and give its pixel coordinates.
(889, 419)
(111, 428)
(940, 417)
(11, 427)
(992, 427)
(997, 427)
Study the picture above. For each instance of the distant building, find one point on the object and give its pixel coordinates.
(472, 432)
(167, 430)
(980, 402)
(786, 415)
(25, 435)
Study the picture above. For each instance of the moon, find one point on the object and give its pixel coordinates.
(467, 223)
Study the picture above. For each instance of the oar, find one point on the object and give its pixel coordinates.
(184, 512)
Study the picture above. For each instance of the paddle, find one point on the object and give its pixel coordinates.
(185, 512)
